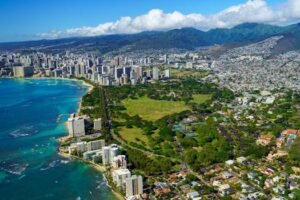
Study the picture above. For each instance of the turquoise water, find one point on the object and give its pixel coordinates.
(29, 165)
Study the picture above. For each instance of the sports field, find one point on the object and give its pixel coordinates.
(152, 110)
(134, 135)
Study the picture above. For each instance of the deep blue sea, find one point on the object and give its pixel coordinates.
(32, 115)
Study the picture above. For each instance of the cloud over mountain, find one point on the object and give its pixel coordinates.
(156, 19)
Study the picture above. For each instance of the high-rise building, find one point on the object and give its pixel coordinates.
(21, 71)
(119, 162)
(97, 124)
(139, 72)
(114, 151)
(95, 145)
(133, 74)
(82, 70)
(127, 70)
(108, 154)
(167, 73)
(119, 177)
(57, 73)
(78, 147)
(104, 70)
(77, 70)
(118, 73)
(76, 126)
(134, 186)
(117, 61)
(124, 79)
(165, 58)
(155, 73)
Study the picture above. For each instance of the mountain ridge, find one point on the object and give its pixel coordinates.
(185, 38)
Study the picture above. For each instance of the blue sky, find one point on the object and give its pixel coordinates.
(24, 19)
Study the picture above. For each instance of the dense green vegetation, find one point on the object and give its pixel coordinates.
(214, 147)
(174, 90)
(93, 105)
(144, 115)
(294, 153)
(150, 166)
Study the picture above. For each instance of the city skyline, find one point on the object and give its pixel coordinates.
(52, 19)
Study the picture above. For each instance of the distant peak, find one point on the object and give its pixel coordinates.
(246, 25)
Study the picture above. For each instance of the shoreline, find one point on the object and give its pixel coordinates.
(89, 86)
(95, 166)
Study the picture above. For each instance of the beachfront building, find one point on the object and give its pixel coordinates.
(77, 148)
(119, 177)
(134, 186)
(108, 154)
(77, 125)
(92, 155)
(97, 124)
(95, 145)
(119, 162)
(21, 71)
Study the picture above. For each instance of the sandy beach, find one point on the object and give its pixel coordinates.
(90, 88)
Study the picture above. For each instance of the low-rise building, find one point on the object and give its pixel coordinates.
(225, 190)
(241, 160)
(193, 195)
(264, 140)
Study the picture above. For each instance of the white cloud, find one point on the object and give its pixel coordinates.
(156, 19)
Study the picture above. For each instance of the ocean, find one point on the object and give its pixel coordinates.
(32, 116)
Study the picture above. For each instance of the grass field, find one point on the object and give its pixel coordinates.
(134, 135)
(152, 110)
(200, 98)
(181, 73)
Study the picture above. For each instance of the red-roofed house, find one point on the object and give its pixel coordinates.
(290, 132)
(264, 140)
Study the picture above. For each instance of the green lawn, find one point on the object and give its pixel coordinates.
(134, 135)
(181, 73)
(200, 98)
(152, 110)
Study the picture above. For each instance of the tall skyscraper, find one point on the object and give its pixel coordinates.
(21, 71)
(76, 126)
(118, 73)
(108, 154)
(95, 145)
(119, 162)
(155, 73)
(134, 186)
(127, 71)
(119, 177)
(97, 124)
